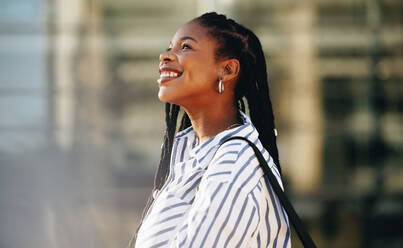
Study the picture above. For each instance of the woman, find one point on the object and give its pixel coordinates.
(207, 195)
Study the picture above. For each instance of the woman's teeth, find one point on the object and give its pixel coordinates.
(169, 74)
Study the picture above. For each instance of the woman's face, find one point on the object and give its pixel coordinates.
(188, 69)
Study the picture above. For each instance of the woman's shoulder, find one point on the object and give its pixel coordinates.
(235, 162)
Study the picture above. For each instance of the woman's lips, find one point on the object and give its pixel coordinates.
(167, 76)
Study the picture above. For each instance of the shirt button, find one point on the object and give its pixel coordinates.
(155, 193)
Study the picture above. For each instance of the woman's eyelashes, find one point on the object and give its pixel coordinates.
(184, 46)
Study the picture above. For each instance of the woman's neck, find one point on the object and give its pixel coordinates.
(209, 121)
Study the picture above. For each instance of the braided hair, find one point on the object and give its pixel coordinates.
(234, 41)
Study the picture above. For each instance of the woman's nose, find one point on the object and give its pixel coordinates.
(166, 56)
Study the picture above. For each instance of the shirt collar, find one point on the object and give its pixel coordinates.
(205, 151)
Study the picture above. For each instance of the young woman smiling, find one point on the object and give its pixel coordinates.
(205, 194)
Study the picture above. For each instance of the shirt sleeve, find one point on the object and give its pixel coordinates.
(222, 215)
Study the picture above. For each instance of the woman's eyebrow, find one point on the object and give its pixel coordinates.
(186, 38)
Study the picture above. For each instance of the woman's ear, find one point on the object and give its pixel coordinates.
(230, 70)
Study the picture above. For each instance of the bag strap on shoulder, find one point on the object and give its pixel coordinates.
(292, 215)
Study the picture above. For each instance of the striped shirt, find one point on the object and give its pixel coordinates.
(216, 198)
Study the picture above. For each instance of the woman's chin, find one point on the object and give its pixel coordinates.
(164, 96)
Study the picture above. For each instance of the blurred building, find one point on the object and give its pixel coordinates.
(81, 126)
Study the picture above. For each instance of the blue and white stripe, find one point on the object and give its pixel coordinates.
(216, 198)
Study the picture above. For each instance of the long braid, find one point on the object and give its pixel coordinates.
(241, 105)
(261, 102)
(171, 117)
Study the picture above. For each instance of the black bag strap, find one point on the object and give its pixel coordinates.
(292, 215)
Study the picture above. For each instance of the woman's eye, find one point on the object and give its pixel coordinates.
(185, 46)
(168, 49)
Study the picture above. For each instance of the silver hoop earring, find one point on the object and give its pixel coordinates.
(220, 87)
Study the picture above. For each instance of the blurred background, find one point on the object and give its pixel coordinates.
(81, 125)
